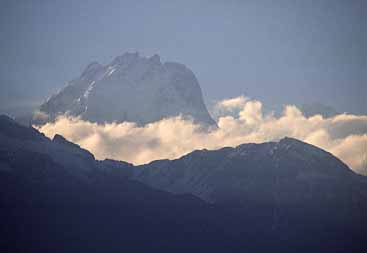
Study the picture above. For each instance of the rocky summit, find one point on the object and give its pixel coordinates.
(131, 88)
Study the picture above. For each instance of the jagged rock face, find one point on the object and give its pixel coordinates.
(131, 88)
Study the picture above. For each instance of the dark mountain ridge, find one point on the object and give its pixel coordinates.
(216, 175)
(56, 197)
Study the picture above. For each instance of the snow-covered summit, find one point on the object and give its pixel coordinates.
(131, 88)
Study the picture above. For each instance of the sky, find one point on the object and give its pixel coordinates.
(280, 52)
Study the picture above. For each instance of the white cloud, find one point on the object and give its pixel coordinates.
(343, 135)
(232, 103)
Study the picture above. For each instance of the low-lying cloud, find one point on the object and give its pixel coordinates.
(240, 120)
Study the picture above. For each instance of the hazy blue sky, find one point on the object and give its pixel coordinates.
(277, 51)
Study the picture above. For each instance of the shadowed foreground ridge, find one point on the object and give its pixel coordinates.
(278, 196)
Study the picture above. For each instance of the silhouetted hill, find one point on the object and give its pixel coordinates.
(55, 197)
(293, 170)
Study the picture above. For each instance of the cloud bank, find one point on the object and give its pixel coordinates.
(240, 120)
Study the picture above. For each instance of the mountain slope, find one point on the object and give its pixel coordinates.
(131, 88)
(55, 197)
(287, 171)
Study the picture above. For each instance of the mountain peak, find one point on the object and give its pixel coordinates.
(290, 140)
(92, 67)
(131, 88)
(126, 58)
(61, 140)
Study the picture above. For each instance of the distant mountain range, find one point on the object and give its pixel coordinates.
(131, 88)
(281, 196)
